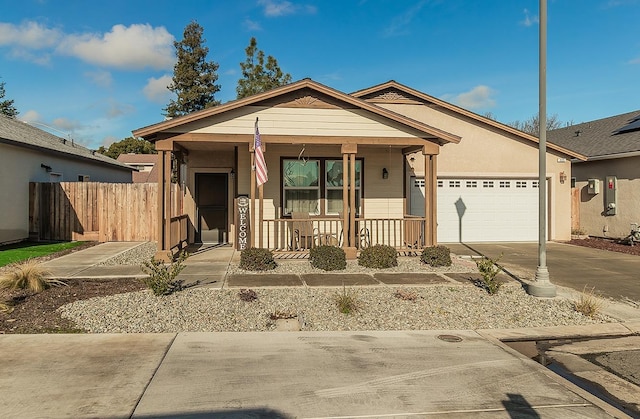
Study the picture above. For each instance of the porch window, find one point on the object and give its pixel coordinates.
(333, 186)
(301, 186)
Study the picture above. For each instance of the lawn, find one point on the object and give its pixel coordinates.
(26, 250)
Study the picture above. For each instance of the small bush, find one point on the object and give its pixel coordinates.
(328, 258)
(589, 303)
(489, 269)
(162, 277)
(379, 256)
(30, 276)
(347, 302)
(257, 259)
(436, 256)
(248, 295)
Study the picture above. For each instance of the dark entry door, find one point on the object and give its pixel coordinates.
(212, 206)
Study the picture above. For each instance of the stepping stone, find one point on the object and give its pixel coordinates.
(336, 280)
(264, 280)
(409, 278)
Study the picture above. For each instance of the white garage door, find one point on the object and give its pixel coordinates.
(482, 210)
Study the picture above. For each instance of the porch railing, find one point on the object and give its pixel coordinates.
(178, 229)
(300, 235)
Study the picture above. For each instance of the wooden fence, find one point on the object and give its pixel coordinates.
(96, 211)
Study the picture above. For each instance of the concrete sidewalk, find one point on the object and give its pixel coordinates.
(459, 374)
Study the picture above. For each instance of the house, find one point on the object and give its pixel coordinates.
(29, 154)
(606, 187)
(342, 167)
(145, 164)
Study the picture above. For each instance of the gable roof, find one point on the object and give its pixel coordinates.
(387, 93)
(139, 176)
(612, 137)
(150, 132)
(21, 134)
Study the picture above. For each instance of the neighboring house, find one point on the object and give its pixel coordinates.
(607, 184)
(481, 175)
(145, 164)
(28, 154)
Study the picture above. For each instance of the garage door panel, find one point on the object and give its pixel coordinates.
(479, 210)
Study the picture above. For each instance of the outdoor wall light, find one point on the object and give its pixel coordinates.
(45, 167)
(563, 177)
(232, 173)
(385, 173)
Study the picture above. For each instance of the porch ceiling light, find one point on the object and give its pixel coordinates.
(385, 173)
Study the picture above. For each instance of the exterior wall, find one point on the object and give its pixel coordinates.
(591, 207)
(297, 121)
(19, 166)
(485, 152)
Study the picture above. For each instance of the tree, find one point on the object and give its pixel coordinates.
(128, 145)
(257, 76)
(532, 125)
(6, 106)
(194, 78)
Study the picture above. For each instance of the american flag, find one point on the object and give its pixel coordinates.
(261, 165)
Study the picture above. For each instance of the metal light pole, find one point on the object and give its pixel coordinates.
(542, 286)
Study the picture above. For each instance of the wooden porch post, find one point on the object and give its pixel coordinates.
(160, 251)
(164, 205)
(252, 210)
(349, 200)
(430, 191)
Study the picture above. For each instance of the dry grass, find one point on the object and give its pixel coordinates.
(347, 302)
(29, 275)
(590, 303)
(5, 308)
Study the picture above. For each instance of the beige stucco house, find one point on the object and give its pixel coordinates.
(606, 187)
(316, 140)
(29, 154)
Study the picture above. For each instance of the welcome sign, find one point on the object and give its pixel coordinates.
(243, 226)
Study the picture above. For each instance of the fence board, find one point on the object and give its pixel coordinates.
(96, 211)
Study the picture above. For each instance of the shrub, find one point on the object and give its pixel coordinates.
(589, 303)
(328, 258)
(379, 256)
(29, 275)
(162, 276)
(346, 301)
(436, 256)
(248, 295)
(257, 259)
(489, 269)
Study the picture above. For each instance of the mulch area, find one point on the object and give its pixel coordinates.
(36, 313)
(610, 245)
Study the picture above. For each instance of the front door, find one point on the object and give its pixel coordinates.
(212, 207)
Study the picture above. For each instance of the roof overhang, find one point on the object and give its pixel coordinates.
(159, 130)
(392, 84)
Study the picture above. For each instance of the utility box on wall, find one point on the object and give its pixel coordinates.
(593, 186)
(610, 195)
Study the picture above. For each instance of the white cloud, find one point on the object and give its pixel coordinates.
(30, 116)
(31, 35)
(101, 78)
(635, 61)
(127, 47)
(275, 8)
(399, 24)
(65, 124)
(529, 19)
(135, 47)
(251, 25)
(156, 89)
(477, 98)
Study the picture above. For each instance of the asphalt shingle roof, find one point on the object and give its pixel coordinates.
(600, 137)
(18, 133)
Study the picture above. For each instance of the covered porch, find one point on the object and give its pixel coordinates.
(337, 174)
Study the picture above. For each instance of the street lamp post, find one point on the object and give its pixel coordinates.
(542, 286)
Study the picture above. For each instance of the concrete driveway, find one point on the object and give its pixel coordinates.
(614, 275)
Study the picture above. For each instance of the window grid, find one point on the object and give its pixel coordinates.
(472, 184)
(505, 184)
(521, 184)
(454, 183)
(487, 184)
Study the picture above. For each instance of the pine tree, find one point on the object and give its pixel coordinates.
(258, 77)
(194, 78)
(6, 106)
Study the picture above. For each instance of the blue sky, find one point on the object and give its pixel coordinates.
(98, 70)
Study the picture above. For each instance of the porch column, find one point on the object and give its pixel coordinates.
(430, 198)
(252, 209)
(164, 204)
(348, 200)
